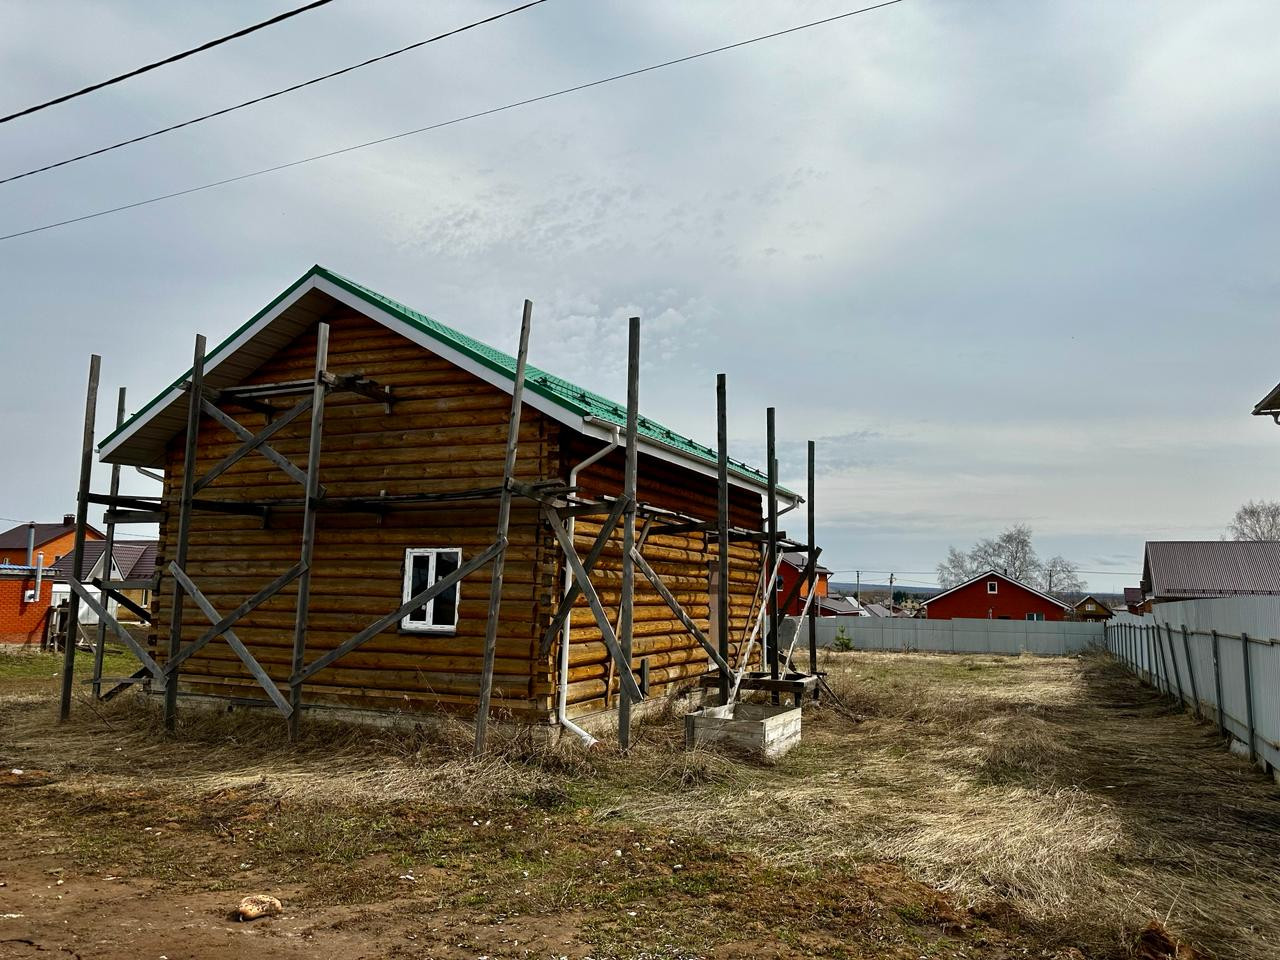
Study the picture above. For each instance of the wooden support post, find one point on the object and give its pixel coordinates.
(813, 581)
(1191, 671)
(195, 391)
(1173, 659)
(310, 506)
(722, 530)
(108, 550)
(504, 518)
(1248, 695)
(626, 618)
(1217, 687)
(77, 551)
(771, 443)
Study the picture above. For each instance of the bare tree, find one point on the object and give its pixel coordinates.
(1256, 520)
(1013, 554)
(1062, 577)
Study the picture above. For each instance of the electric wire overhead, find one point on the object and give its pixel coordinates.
(167, 60)
(447, 123)
(269, 96)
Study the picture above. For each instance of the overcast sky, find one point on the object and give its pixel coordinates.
(1004, 261)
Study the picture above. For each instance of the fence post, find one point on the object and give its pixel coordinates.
(1165, 686)
(1173, 658)
(1217, 688)
(1191, 671)
(1248, 694)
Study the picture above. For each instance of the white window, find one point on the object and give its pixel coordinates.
(991, 586)
(1035, 616)
(424, 566)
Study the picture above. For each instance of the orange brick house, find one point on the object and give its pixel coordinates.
(24, 608)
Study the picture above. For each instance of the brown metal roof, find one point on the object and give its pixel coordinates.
(1182, 569)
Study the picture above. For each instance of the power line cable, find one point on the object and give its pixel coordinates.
(446, 123)
(167, 60)
(269, 96)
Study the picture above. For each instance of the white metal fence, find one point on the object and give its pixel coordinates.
(1221, 657)
(1009, 637)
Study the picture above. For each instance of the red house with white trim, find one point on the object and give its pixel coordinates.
(995, 596)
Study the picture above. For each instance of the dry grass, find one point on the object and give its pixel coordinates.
(1057, 794)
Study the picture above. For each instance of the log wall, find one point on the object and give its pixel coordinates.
(447, 431)
(684, 562)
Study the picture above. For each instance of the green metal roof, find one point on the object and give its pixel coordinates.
(561, 392)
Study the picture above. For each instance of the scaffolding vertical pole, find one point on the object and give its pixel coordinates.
(77, 551)
(504, 519)
(195, 396)
(771, 445)
(722, 529)
(311, 495)
(626, 619)
(108, 552)
(813, 580)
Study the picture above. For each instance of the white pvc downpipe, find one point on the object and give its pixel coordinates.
(562, 686)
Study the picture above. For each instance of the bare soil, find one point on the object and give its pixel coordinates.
(953, 807)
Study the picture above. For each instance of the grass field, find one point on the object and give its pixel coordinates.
(953, 807)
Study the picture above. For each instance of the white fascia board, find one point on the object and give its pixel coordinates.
(245, 336)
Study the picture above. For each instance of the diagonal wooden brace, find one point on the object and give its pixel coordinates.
(413, 603)
(281, 461)
(89, 600)
(255, 669)
(139, 611)
(626, 676)
(232, 618)
(257, 441)
(572, 594)
(670, 600)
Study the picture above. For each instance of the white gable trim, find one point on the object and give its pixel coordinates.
(1007, 579)
(586, 426)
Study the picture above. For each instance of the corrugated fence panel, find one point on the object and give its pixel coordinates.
(1153, 647)
(1007, 637)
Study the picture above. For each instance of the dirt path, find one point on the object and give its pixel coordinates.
(973, 807)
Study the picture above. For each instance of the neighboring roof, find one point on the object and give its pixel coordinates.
(798, 559)
(1268, 406)
(1088, 597)
(140, 440)
(133, 559)
(1002, 576)
(1183, 569)
(877, 610)
(1134, 595)
(15, 538)
(839, 606)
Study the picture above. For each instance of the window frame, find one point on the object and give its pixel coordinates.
(428, 625)
(993, 586)
(1034, 617)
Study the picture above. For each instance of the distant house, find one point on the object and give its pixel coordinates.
(1135, 602)
(27, 551)
(1093, 609)
(130, 560)
(1190, 569)
(54, 540)
(836, 606)
(790, 572)
(995, 596)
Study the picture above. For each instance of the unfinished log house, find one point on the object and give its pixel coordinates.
(411, 441)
